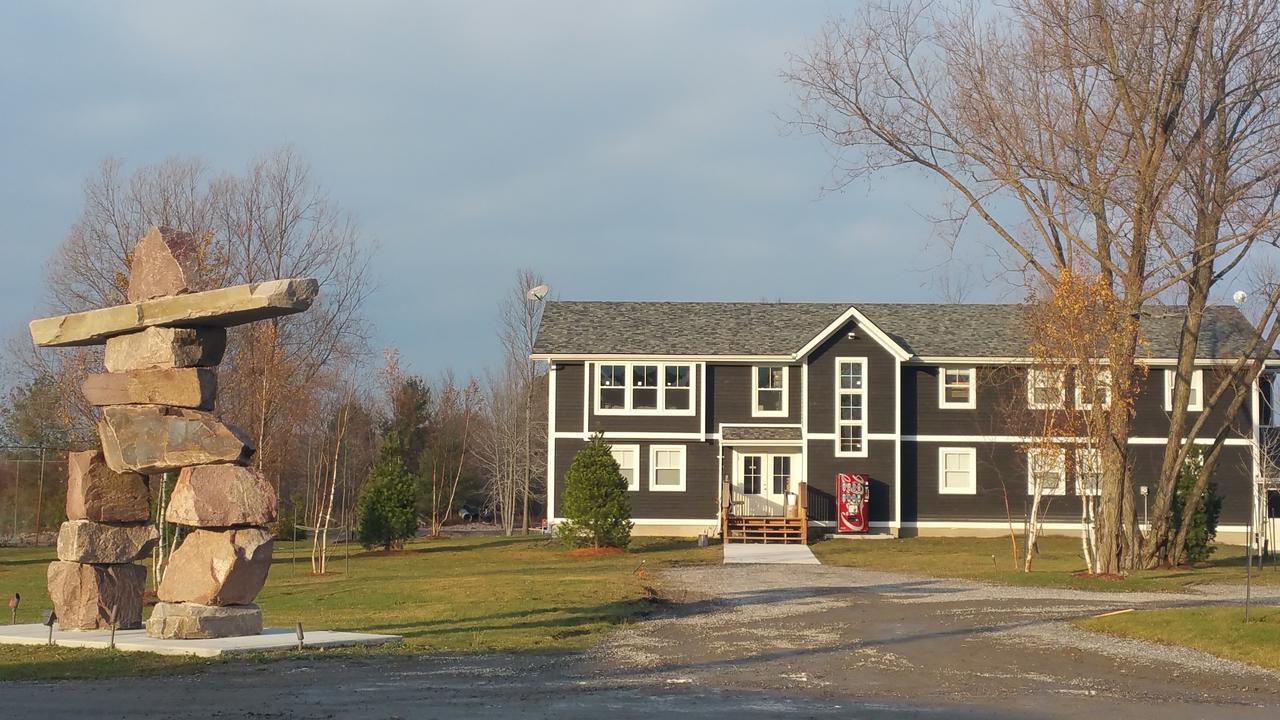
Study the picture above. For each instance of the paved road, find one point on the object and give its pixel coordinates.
(746, 642)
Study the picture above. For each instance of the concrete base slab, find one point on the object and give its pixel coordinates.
(861, 536)
(747, 553)
(137, 640)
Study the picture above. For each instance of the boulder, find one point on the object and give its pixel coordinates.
(96, 492)
(164, 262)
(221, 496)
(85, 541)
(85, 596)
(226, 567)
(180, 387)
(224, 307)
(191, 621)
(155, 439)
(165, 348)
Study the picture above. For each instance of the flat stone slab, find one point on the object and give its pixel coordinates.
(223, 307)
(749, 553)
(137, 640)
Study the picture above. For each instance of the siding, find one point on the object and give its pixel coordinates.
(702, 489)
(645, 423)
(569, 397)
(881, 369)
(730, 398)
(823, 466)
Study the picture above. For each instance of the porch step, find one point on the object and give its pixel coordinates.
(765, 530)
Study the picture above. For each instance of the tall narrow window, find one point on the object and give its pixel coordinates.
(1046, 469)
(1195, 400)
(628, 459)
(677, 387)
(1088, 472)
(770, 391)
(1093, 389)
(851, 395)
(781, 474)
(1045, 389)
(613, 386)
(957, 388)
(752, 474)
(666, 467)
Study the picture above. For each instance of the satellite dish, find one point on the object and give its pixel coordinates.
(539, 292)
(1239, 297)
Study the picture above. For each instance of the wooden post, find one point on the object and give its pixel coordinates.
(802, 503)
(726, 500)
(299, 637)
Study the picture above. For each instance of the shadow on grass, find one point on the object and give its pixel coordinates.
(29, 561)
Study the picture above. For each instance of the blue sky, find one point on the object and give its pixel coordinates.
(624, 150)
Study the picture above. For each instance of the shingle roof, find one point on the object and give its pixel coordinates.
(925, 330)
(759, 433)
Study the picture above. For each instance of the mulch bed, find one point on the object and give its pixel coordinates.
(593, 552)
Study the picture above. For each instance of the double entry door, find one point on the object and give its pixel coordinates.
(764, 480)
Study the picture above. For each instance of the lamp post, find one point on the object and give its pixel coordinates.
(536, 294)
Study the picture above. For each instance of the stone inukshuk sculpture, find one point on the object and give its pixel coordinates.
(157, 399)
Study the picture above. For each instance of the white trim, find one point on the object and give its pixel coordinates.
(1009, 360)
(551, 438)
(660, 388)
(627, 435)
(1064, 440)
(971, 454)
(1197, 384)
(1098, 380)
(634, 449)
(897, 441)
(1059, 465)
(653, 467)
(864, 393)
(586, 400)
(629, 357)
(1032, 374)
(871, 437)
(755, 391)
(702, 399)
(804, 421)
(985, 525)
(881, 337)
(969, 404)
(663, 521)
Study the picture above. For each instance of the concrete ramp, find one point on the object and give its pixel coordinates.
(752, 554)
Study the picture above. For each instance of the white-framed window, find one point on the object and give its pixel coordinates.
(781, 477)
(1045, 389)
(752, 474)
(769, 390)
(957, 471)
(1195, 400)
(1093, 390)
(1088, 471)
(666, 468)
(1049, 467)
(628, 458)
(851, 407)
(644, 388)
(958, 388)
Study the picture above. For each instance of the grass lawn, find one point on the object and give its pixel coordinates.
(1219, 631)
(991, 559)
(466, 594)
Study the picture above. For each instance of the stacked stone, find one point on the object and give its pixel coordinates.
(95, 582)
(158, 398)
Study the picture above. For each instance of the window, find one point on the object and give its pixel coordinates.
(1095, 390)
(957, 471)
(957, 388)
(1088, 471)
(770, 388)
(851, 396)
(1047, 468)
(645, 389)
(1195, 401)
(1044, 389)
(678, 389)
(613, 387)
(628, 457)
(666, 468)
(781, 474)
(752, 473)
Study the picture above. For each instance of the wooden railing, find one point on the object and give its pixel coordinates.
(735, 505)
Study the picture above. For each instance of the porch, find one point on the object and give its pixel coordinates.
(763, 498)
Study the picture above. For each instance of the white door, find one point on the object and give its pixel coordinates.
(763, 480)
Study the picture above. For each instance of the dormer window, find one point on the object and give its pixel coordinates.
(770, 390)
(644, 388)
(957, 388)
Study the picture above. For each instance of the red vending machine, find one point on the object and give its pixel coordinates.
(852, 493)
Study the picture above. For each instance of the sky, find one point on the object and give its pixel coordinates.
(626, 151)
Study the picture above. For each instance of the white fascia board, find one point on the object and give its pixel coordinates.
(881, 337)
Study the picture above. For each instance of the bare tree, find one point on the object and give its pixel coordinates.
(521, 311)
(503, 442)
(1069, 130)
(454, 419)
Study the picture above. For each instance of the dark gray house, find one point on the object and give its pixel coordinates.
(756, 403)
